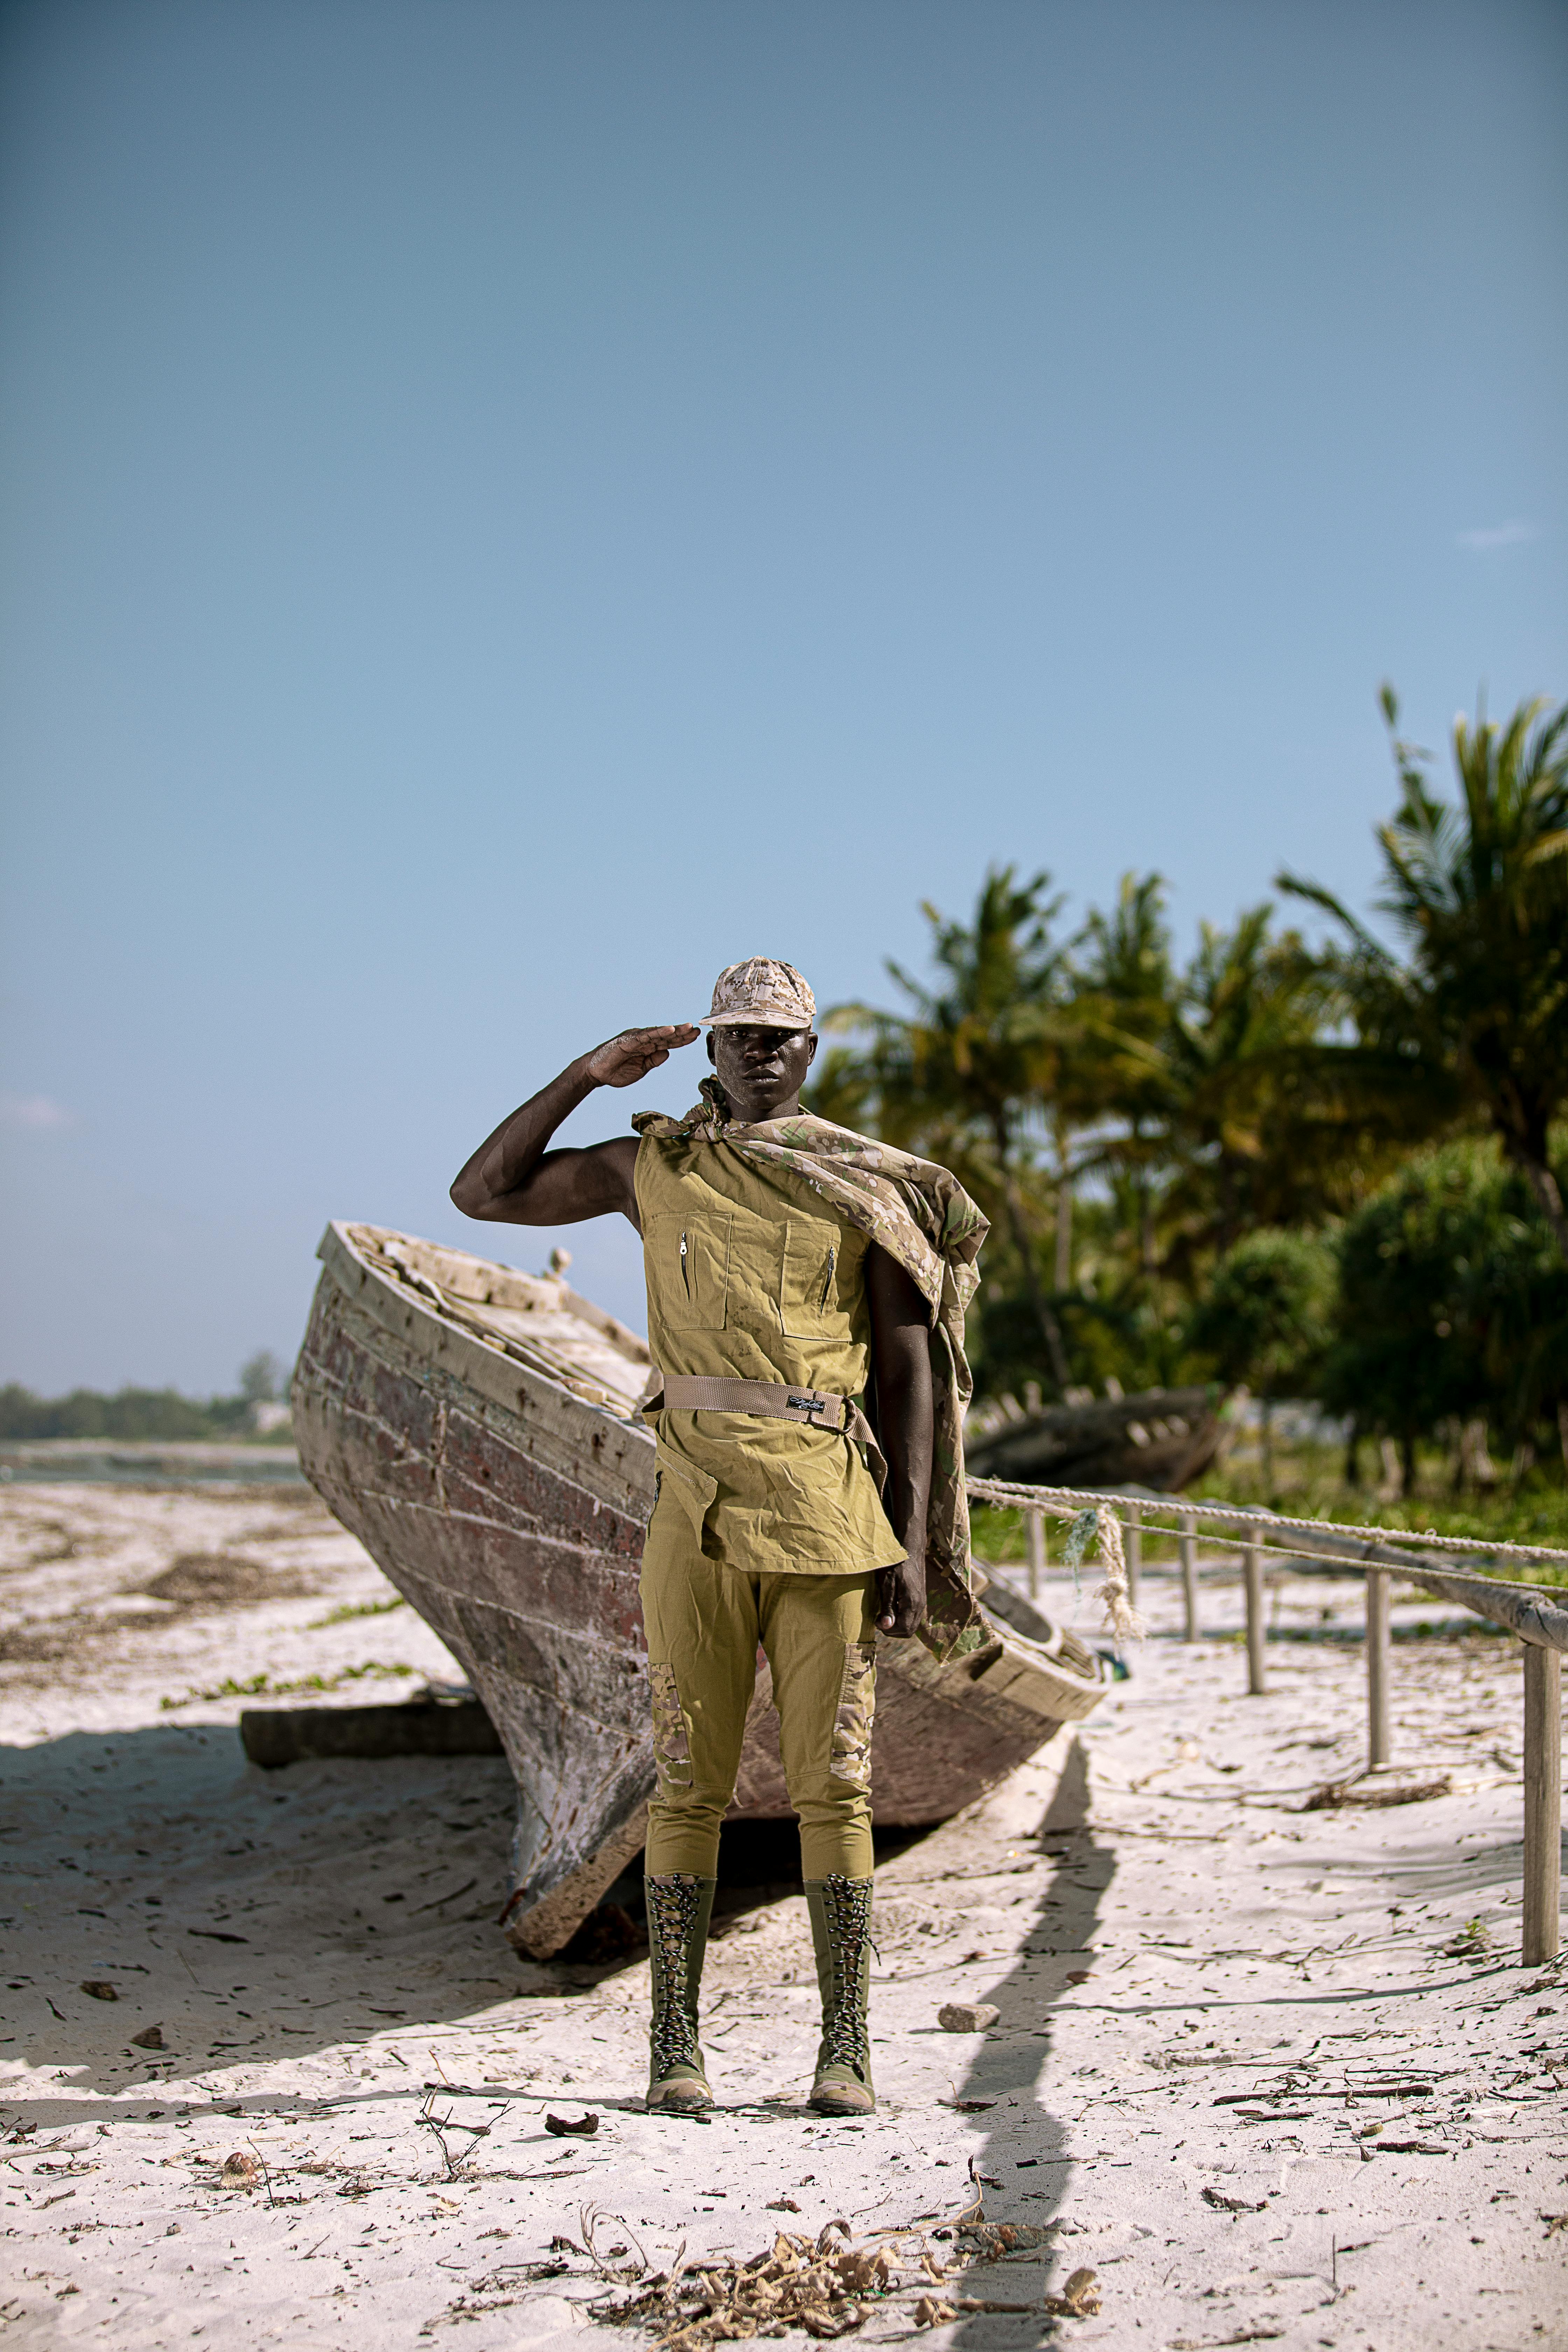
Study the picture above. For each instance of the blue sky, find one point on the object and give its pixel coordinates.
(510, 508)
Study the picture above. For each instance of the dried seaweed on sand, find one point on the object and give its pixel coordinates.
(827, 2286)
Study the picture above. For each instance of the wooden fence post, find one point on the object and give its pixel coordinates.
(1134, 1550)
(1252, 1570)
(1189, 1554)
(1543, 1803)
(1378, 1597)
(1035, 1530)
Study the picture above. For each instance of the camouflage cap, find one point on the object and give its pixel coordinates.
(761, 993)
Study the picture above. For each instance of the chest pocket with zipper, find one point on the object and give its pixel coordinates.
(809, 1305)
(688, 1257)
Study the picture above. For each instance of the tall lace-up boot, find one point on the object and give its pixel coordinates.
(678, 1910)
(840, 1912)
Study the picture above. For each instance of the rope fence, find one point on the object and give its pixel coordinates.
(1537, 1614)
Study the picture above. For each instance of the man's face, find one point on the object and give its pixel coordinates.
(761, 1070)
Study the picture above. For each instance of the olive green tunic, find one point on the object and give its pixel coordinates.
(753, 1277)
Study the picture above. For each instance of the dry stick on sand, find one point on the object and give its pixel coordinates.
(1351, 1792)
(440, 2126)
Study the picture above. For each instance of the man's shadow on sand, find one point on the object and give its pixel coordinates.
(1021, 2160)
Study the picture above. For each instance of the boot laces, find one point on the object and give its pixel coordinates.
(672, 1907)
(847, 1907)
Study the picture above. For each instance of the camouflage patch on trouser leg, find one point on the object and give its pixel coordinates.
(851, 1759)
(672, 1746)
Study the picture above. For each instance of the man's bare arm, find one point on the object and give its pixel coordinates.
(901, 1350)
(513, 1178)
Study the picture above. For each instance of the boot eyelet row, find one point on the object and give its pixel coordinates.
(841, 1929)
(678, 1909)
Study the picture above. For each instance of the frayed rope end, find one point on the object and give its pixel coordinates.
(1123, 1619)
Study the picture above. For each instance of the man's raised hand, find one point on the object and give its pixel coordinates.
(515, 1178)
(623, 1061)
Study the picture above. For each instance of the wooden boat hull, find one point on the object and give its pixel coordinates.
(476, 1429)
(1164, 1438)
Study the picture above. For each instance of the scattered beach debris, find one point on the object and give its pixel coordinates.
(440, 2125)
(1223, 2204)
(591, 2220)
(931, 2311)
(149, 2038)
(1262, 2334)
(239, 2171)
(967, 2016)
(974, 2212)
(1079, 2298)
(1473, 1942)
(990, 2241)
(564, 2128)
(1376, 1793)
(98, 1988)
(960, 2303)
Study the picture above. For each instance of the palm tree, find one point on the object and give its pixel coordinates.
(959, 1075)
(1478, 894)
(1124, 995)
(1211, 1088)
(1251, 1009)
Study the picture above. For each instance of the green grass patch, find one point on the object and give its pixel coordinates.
(1308, 1482)
(263, 1685)
(356, 1609)
(998, 1534)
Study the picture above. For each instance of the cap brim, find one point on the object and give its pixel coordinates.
(758, 1020)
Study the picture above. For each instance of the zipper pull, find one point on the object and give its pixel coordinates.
(827, 1279)
(685, 1275)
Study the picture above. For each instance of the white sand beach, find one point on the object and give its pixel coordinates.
(1271, 2074)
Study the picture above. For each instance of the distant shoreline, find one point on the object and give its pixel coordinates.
(147, 1462)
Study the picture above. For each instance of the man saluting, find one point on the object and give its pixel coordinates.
(794, 1269)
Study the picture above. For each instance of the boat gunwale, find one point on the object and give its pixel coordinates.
(612, 1459)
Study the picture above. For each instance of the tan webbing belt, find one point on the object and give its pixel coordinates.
(817, 1408)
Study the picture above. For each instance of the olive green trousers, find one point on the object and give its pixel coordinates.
(705, 1624)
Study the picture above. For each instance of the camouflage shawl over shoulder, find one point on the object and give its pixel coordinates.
(925, 1220)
